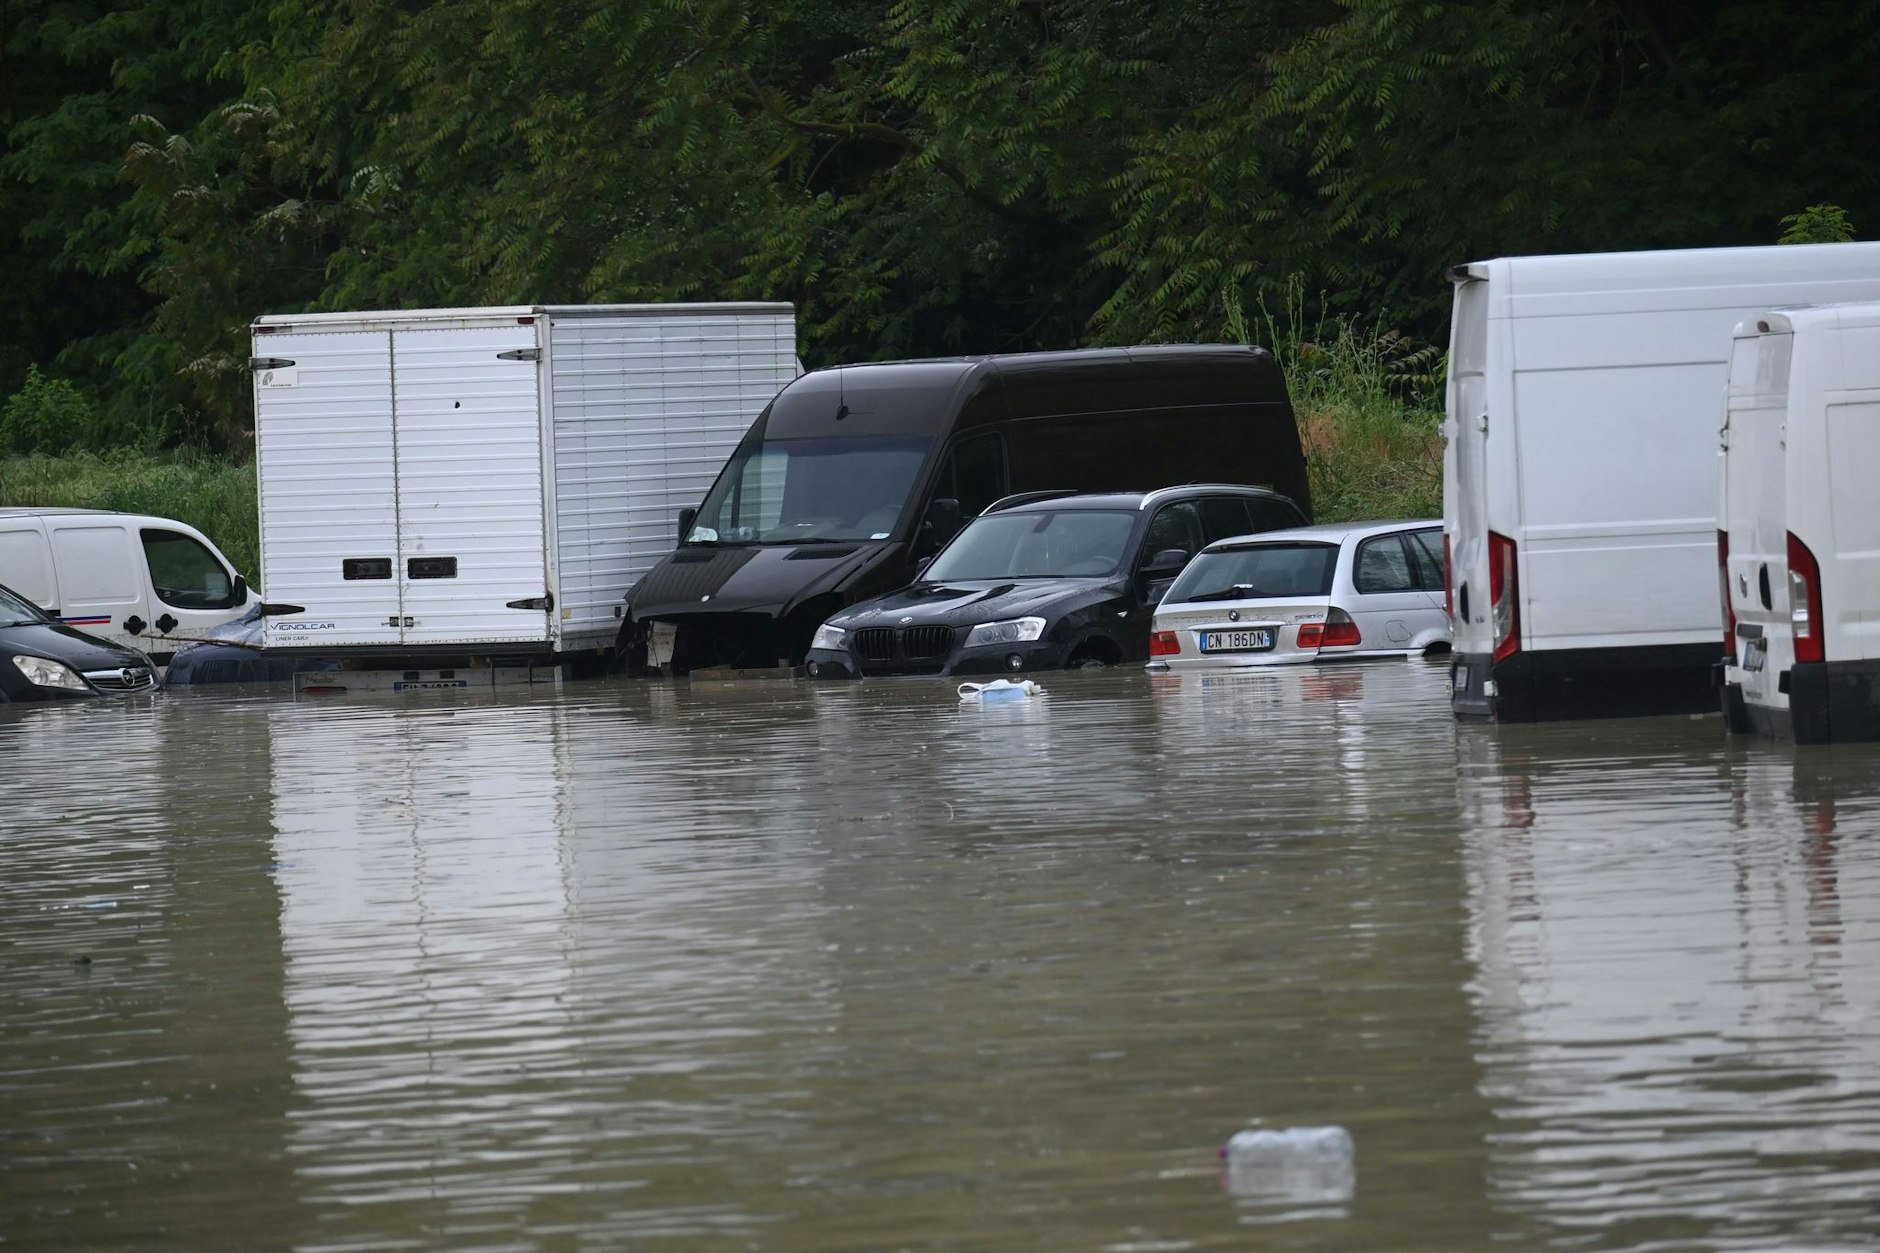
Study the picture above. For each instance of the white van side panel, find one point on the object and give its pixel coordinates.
(324, 457)
(646, 410)
(99, 584)
(26, 562)
(468, 447)
(1851, 587)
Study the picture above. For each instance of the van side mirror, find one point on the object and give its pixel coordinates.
(687, 517)
(940, 525)
(240, 592)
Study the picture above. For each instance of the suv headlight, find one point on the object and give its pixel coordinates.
(41, 672)
(829, 637)
(1013, 631)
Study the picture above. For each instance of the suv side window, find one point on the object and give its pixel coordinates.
(1173, 526)
(1383, 565)
(1274, 513)
(974, 474)
(1426, 547)
(1224, 516)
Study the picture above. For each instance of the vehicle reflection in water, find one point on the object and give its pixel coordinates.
(860, 966)
(1676, 999)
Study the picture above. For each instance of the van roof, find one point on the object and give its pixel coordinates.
(1670, 278)
(1799, 317)
(36, 511)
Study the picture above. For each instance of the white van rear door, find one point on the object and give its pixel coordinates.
(323, 442)
(1754, 515)
(470, 516)
(1465, 470)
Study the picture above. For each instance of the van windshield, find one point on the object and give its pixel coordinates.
(795, 491)
(1255, 572)
(1068, 544)
(16, 612)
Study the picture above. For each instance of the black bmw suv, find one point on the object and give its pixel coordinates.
(1044, 580)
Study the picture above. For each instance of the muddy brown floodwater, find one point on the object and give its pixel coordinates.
(798, 967)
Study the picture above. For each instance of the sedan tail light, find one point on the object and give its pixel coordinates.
(1337, 631)
(1805, 621)
(1164, 644)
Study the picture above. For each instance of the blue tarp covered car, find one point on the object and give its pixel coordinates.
(229, 654)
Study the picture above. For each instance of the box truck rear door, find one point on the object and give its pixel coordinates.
(470, 516)
(324, 448)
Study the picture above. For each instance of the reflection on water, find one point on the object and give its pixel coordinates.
(860, 966)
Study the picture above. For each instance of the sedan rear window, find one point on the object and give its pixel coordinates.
(1257, 571)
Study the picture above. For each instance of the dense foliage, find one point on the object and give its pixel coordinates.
(917, 178)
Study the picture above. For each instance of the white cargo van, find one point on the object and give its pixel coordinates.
(472, 482)
(1579, 476)
(150, 583)
(1799, 549)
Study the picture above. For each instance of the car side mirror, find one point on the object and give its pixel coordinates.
(686, 518)
(1166, 564)
(940, 525)
(920, 567)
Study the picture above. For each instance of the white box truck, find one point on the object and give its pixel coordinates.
(1799, 550)
(1579, 474)
(454, 484)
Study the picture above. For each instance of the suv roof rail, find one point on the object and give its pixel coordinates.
(1150, 498)
(1025, 498)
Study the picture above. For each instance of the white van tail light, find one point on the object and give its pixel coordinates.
(1504, 593)
(1723, 586)
(1805, 620)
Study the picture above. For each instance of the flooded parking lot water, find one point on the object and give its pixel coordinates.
(792, 967)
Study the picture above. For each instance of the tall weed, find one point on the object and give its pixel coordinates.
(1370, 408)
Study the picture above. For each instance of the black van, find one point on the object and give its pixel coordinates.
(853, 475)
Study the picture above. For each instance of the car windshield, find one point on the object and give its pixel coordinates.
(1069, 543)
(1256, 573)
(15, 611)
(794, 491)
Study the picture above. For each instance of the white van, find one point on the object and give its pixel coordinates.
(1579, 476)
(150, 583)
(1799, 549)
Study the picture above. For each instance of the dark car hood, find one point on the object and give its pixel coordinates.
(969, 602)
(62, 643)
(727, 578)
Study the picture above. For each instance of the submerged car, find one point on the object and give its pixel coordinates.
(43, 659)
(1309, 594)
(1043, 580)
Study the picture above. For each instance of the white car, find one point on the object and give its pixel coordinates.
(1308, 594)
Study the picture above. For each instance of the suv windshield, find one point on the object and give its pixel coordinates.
(16, 612)
(1251, 573)
(792, 491)
(1072, 543)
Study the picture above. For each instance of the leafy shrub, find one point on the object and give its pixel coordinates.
(47, 415)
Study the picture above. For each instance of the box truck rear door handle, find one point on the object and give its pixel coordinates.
(534, 602)
(520, 354)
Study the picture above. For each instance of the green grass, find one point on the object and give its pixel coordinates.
(212, 494)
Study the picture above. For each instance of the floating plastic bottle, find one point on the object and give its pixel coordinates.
(1000, 690)
(1292, 1165)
